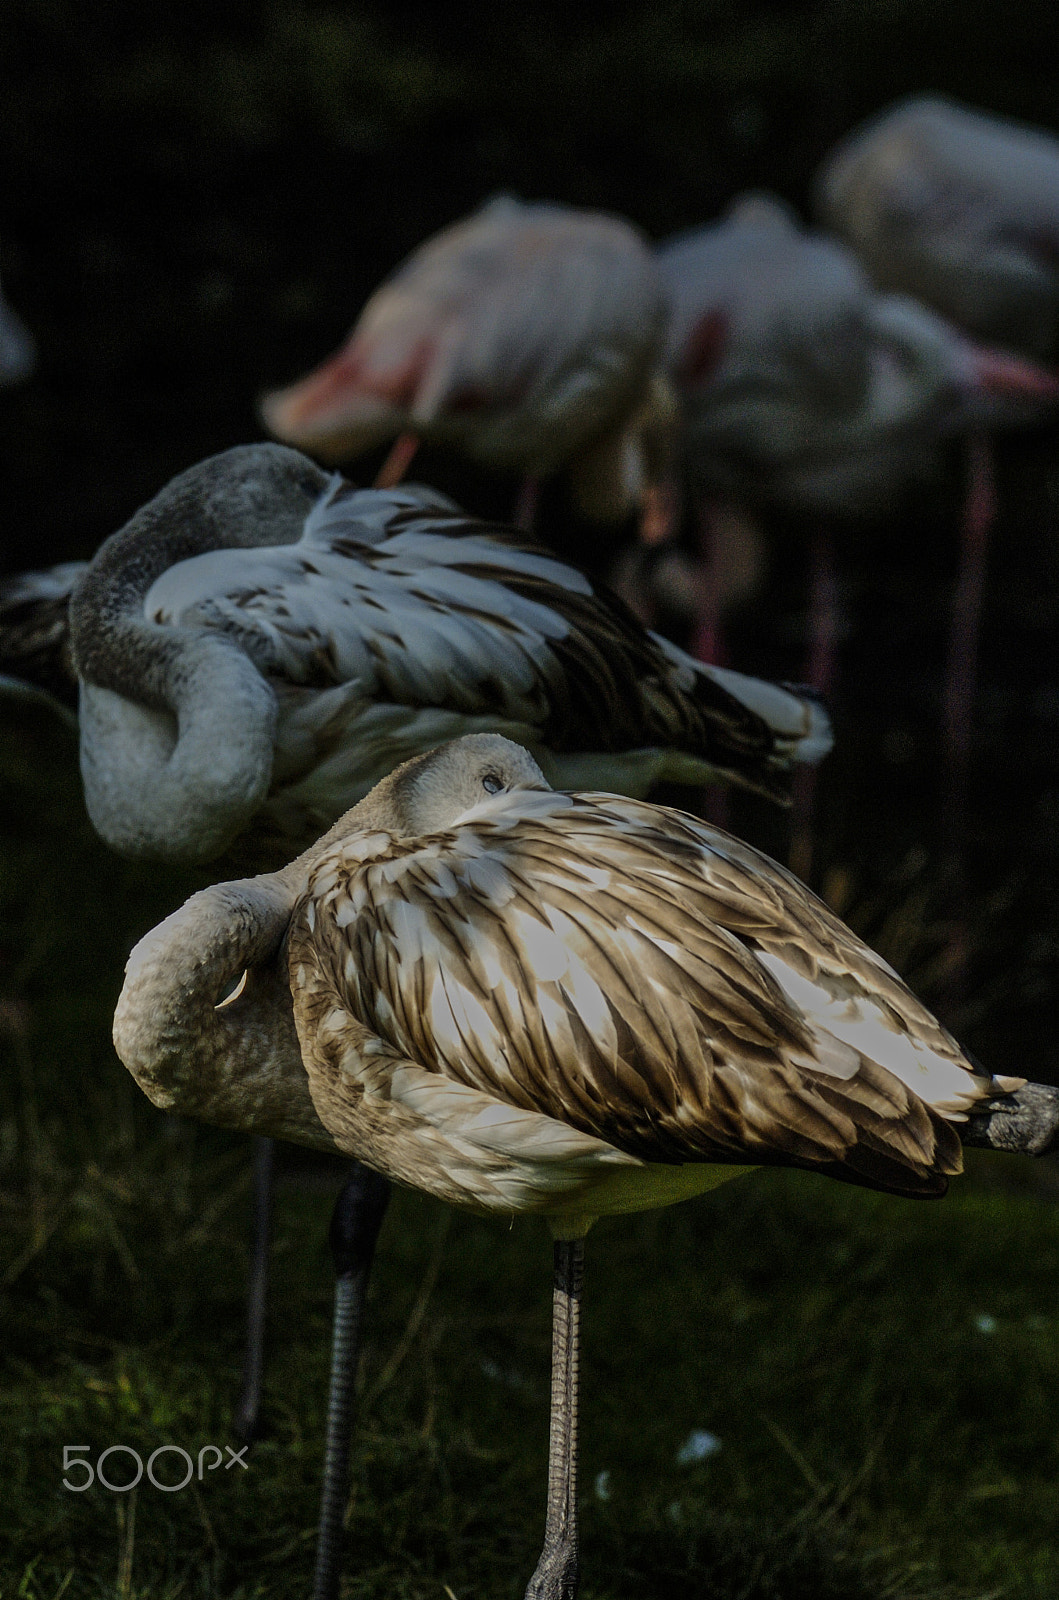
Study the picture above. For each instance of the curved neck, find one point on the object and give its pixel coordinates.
(177, 724)
(251, 496)
(179, 785)
(236, 1064)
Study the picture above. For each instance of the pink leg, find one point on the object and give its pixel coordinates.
(820, 674)
(398, 461)
(707, 640)
(659, 512)
(960, 685)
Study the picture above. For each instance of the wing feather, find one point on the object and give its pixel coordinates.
(645, 979)
(405, 600)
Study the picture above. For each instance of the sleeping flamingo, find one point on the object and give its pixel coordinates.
(806, 389)
(958, 208)
(525, 337)
(556, 1005)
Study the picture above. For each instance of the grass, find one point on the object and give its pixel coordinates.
(883, 1376)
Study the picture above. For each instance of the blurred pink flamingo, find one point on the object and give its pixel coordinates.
(806, 389)
(524, 336)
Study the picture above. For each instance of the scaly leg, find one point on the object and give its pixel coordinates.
(247, 1413)
(354, 1230)
(556, 1577)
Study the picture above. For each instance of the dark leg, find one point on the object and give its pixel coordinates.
(557, 1574)
(248, 1410)
(354, 1230)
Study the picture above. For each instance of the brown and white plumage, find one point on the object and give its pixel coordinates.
(585, 986)
(525, 1001)
(35, 631)
(262, 642)
(570, 982)
(524, 336)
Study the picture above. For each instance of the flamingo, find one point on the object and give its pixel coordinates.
(806, 389)
(524, 336)
(262, 642)
(960, 209)
(956, 207)
(528, 1002)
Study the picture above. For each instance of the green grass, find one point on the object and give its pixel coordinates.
(883, 1376)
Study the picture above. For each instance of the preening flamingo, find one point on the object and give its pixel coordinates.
(563, 1005)
(525, 337)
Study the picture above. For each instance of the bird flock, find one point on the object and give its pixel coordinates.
(475, 958)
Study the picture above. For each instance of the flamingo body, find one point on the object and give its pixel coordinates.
(263, 641)
(530, 1002)
(957, 208)
(806, 388)
(523, 336)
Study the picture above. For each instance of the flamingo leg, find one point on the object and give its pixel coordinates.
(961, 667)
(707, 639)
(398, 461)
(960, 684)
(354, 1230)
(821, 673)
(247, 1413)
(659, 512)
(558, 1570)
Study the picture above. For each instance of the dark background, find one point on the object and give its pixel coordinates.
(194, 202)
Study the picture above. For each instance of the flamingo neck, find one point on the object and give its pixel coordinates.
(233, 1062)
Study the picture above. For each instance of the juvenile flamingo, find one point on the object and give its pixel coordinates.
(562, 1005)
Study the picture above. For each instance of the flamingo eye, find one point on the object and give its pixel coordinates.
(491, 783)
